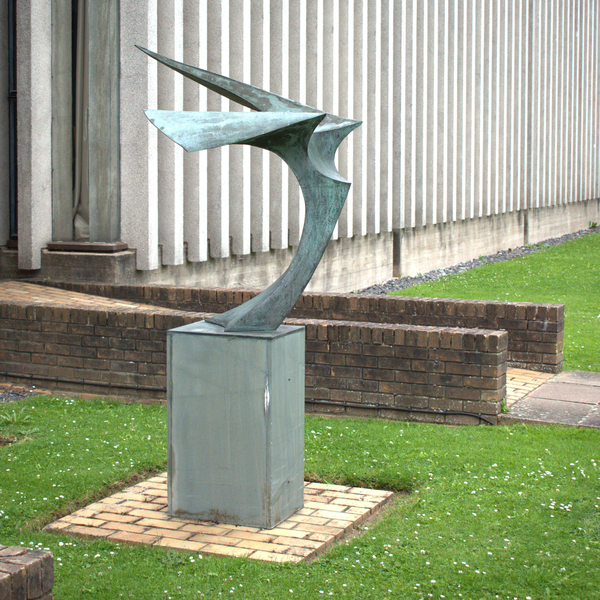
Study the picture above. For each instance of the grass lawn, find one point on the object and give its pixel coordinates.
(568, 274)
(482, 512)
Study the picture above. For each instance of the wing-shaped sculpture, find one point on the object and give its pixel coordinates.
(306, 139)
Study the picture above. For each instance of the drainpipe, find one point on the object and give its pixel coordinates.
(12, 120)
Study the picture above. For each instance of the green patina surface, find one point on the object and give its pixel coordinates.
(306, 139)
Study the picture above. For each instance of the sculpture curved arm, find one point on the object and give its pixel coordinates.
(306, 139)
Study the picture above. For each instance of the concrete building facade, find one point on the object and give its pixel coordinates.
(480, 132)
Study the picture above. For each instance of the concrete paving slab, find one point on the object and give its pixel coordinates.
(542, 410)
(579, 378)
(568, 392)
(592, 419)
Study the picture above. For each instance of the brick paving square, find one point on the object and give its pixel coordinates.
(330, 513)
(520, 382)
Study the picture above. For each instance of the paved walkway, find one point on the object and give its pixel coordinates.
(520, 382)
(31, 294)
(569, 398)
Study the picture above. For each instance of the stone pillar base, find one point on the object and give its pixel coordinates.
(235, 424)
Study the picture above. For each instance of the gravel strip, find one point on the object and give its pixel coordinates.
(405, 282)
(6, 397)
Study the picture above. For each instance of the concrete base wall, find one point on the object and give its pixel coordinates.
(348, 264)
(545, 223)
(423, 249)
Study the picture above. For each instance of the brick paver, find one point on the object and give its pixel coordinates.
(330, 513)
(520, 382)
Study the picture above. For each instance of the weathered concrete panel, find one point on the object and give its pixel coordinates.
(422, 249)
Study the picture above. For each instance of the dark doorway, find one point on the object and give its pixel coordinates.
(12, 122)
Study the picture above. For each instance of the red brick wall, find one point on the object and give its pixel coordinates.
(397, 368)
(402, 366)
(121, 348)
(535, 331)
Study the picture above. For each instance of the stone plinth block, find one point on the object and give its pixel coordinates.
(235, 424)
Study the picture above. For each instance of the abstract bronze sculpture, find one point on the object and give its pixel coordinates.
(305, 138)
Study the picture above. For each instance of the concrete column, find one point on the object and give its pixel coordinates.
(468, 99)
(522, 99)
(259, 185)
(596, 104)
(34, 126)
(372, 115)
(62, 122)
(478, 107)
(103, 120)
(396, 125)
(533, 107)
(386, 68)
(138, 91)
(557, 100)
(566, 101)
(170, 162)
(359, 141)
(429, 116)
(588, 149)
(572, 82)
(239, 156)
(458, 208)
(295, 45)
(194, 163)
(407, 178)
(344, 104)
(586, 46)
(278, 207)
(343, 107)
(578, 75)
(441, 113)
(218, 158)
(506, 97)
(547, 105)
(444, 111)
(453, 131)
(489, 141)
(327, 65)
(496, 26)
(420, 107)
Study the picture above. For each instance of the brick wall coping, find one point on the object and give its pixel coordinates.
(361, 307)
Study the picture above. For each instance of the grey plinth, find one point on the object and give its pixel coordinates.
(235, 424)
